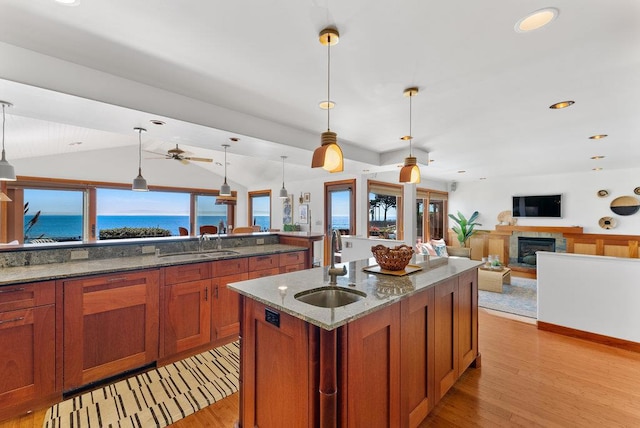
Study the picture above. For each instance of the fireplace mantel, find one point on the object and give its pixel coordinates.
(544, 229)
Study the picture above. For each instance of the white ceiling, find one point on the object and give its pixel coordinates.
(255, 70)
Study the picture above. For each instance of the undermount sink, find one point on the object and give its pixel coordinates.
(201, 254)
(330, 297)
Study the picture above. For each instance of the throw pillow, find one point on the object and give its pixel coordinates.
(441, 250)
(426, 248)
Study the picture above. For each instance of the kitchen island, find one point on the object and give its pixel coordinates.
(383, 360)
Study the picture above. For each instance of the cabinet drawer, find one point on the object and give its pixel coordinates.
(230, 267)
(187, 273)
(295, 258)
(291, 268)
(263, 262)
(26, 295)
(265, 272)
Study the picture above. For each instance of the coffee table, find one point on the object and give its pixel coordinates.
(492, 280)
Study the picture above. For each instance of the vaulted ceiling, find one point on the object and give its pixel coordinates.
(255, 70)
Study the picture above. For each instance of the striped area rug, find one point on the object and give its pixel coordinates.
(156, 398)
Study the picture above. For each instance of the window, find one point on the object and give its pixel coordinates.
(157, 211)
(385, 210)
(260, 209)
(53, 215)
(340, 209)
(434, 224)
(211, 213)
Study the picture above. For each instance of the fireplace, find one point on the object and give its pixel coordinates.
(528, 246)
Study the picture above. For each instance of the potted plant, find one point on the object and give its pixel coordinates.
(464, 227)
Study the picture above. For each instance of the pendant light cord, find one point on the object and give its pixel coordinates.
(140, 151)
(410, 116)
(225, 165)
(328, 79)
(3, 119)
(283, 158)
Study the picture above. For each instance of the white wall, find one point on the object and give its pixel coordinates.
(597, 294)
(580, 203)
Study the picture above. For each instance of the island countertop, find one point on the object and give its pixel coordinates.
(278, 291)
(52, 271)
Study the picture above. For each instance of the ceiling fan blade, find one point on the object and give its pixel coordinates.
(156, 153)
(184, 161)
(200, 159)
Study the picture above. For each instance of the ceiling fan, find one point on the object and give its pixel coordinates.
(179, 155)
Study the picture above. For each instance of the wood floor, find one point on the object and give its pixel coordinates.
(528, 378)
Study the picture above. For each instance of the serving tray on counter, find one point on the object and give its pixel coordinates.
(406, 271)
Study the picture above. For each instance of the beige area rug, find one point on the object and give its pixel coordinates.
(156, 398)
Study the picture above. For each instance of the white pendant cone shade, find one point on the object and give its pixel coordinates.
(225, 189)
(7, 172)
(283, 192)
(139, 183)
(329, 155)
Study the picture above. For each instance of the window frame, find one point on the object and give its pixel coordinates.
(258, 194)
(388, 189)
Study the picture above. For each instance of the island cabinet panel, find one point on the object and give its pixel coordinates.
(373, 374)
(111, 324)
(275, 373)
(27, 354)
(417, 354)
(446, 343)
(291, 262)
(186, 313)
(261, 266)
(467, 319)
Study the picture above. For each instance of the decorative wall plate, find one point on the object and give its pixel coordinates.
(625, 205)
(607, 222)
(603, 193)
(636, 190)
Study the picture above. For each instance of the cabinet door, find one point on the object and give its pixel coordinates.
(226, 308)
(255, 274)
(446, 343)
(28, 356)
(263, 262)
(187, 316)
(467, 319)
(294, 258)
(417, 353)
(374, 348)
(187, 273)
(110, 325)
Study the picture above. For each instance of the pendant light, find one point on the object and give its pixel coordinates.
(410, 172)
(225, 189)
(7, 172)
(329, 154)
(283, 192)
(139, 183)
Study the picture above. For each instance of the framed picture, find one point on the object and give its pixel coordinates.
(287, 210)
(303, 213)
(306, 197)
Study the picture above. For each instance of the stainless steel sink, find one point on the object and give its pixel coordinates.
(201, 254)
(330, 297)
(220, 253)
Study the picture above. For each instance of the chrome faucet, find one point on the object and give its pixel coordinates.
(336, 245)
(203, 237)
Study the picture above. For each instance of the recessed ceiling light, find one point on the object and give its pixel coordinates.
(68, 2)
(157, 122)
(219, 163)
(75, 143)
(597, 169)
(536, 20)
(234, 139)
(325, 105)
(483, 178)
(562, 104)
(598, 136)
(597, 157)
(462, 171)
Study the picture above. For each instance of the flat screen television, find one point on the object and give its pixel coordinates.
(537, 206)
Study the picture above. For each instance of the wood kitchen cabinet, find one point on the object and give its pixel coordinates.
(186, 308)
(261, 266)
(110, 325)
(28, 351)
(226, 302)
(291, 262)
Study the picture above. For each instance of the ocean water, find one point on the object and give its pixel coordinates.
(69, 227)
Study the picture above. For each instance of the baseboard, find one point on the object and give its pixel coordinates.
(592, 337)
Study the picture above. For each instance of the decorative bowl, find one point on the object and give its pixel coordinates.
(396, 258)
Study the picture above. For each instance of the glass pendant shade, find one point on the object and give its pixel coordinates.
(7, 172)
(410, 172)
(139, 183)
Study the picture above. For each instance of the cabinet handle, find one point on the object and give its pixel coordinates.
(206, 294)
(13, 290)
(11, 320)
(117, 279)
(216, 292)
(264, 258)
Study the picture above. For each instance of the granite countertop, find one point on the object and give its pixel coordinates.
(45, 272)
(278, 291)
